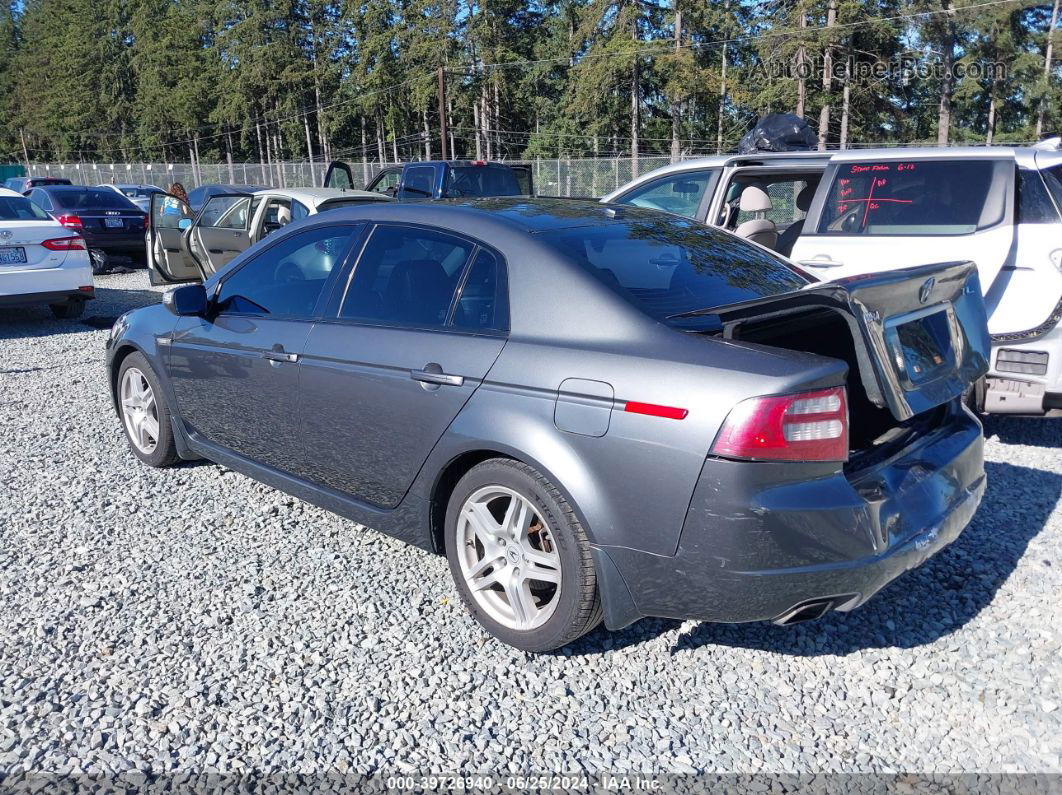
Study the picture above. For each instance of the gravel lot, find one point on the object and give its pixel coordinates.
(193, 620)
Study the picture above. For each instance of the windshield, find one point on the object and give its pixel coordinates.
(91, 197)
(667, 266)
(928, 197)
(464, 181)
(16, 208)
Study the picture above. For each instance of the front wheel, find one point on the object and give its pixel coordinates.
(145, 415)
(520, 557)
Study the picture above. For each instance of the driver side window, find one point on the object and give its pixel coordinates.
(287, 280)
(680, 194)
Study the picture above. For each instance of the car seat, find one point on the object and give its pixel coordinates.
(788, 238)
(760, 230)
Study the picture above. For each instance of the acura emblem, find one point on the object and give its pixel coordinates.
(5, 234)
(926, 289)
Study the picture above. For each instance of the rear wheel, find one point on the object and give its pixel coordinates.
(68, 311)
(520, 557)
(145, 415)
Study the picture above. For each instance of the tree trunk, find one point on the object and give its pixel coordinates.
(309, 149)
(635, 114)
(198, 170)
(802, 83)
(394, 143)
(722, 106)
(475, 125)
(364, 155)
(676, 102)
(427, 134)
(228, 154)
(827, 79)
(258, 135)
(990, 127)
(846, 101)
(450, 126)
(947, 85)
(1048, 53)
(380, 141)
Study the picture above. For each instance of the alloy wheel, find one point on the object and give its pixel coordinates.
(139, 411)
(509, 558)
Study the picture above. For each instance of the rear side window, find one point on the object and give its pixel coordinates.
(678, 193)
(95, 198)
(1034, 203)
(1053, 180)
(667, 266)
(418, 183)
(406, 276)
(20, 209)
(927, 197)
(483, 305)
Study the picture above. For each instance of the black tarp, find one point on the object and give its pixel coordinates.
(779, 132)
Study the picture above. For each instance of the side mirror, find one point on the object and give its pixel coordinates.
(184, 223)
(185, 301)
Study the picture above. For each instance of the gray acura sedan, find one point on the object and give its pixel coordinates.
(595, 412)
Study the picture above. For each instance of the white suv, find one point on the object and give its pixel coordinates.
(873, 210)
(41, 261)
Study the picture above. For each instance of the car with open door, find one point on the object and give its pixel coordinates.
(439, 179)
(185, 246)
(595, 412)
(868, 211)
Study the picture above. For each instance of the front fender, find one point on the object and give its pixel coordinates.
(146, 330)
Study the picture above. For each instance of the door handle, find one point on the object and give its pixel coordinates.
(821, 261)
(430, 376)
(280, 356)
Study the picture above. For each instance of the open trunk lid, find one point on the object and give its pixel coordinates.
(920, 334)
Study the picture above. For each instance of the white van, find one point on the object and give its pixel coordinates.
(866, 211)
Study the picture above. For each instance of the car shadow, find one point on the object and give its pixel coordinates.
(1032, 431)
(100, 313)
(918, 608)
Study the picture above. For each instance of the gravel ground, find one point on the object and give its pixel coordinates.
(194, 620)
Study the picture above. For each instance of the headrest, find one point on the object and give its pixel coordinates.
(755, 199)
(283, 215)
(803, 199)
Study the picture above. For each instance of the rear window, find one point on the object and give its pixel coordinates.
(927, 197)
(14, 208)
(140, 193)
(92, 198)
(668, 266)
(463, 181)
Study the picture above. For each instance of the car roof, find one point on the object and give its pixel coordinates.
(516, 213)
(316, 196)
(8, 192)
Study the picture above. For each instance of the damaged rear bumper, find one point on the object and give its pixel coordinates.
(761, 543)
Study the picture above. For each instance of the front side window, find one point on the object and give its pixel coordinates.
(286, 280)
(406, 276)
(926, 197)
(20, 209)
(788, 196)
(387, 183)
(678, 193)
(667, 266)
(226, 212)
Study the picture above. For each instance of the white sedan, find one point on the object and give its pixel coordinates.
(183, 246)
(41, 261)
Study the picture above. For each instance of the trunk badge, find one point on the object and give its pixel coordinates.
(926, 289)
(5, 234)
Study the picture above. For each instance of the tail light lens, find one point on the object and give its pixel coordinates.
(70, 221)
(808, 426)
(65, 244)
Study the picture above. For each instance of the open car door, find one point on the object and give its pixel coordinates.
(168, 261)
(338, 175)
(221, 231)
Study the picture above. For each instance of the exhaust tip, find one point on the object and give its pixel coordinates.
(805, 611)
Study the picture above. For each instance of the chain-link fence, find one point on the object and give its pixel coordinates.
(564, 177)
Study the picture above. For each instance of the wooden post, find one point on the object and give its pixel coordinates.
(443, 142)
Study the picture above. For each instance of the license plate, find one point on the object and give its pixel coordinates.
(114, 223)
(924, 347)
(13, 255)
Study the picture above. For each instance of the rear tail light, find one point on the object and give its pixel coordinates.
(70, 221)
(808, 426)
(65, 244)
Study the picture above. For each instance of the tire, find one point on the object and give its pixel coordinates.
(485, 546)
(69, 310)
(137, 409)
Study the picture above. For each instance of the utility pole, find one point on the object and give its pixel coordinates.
(442, 114)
